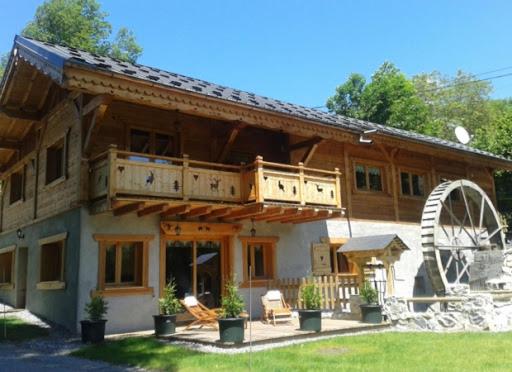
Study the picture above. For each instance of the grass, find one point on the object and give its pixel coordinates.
(18, 330)
(376, 352)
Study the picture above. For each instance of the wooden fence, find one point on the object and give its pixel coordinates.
(334, 289)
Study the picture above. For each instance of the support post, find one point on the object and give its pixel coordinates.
(185, 180)
(259, 180)
(302, 197)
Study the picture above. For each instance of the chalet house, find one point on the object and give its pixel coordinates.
(117, 177)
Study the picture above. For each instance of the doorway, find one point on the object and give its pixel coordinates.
(21, 277)
(196, 266)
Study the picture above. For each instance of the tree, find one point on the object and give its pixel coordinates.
(347, 99)
(81, 24)
(389, 99)
(461, 100)
(3, 63)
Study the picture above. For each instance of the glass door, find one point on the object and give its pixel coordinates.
(195, 267)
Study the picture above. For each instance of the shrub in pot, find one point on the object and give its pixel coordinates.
(93, 328)
(165, 322)
(371, 311)
(231, 324)
(310, 318)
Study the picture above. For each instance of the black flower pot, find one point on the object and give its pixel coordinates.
(93, 330)
(231, 330)
(310, 320)
(371, 313)
(165, 325)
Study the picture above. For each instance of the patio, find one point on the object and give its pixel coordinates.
(263, 333)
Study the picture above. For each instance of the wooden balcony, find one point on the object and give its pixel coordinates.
(126, 182)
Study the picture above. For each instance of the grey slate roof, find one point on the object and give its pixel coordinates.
(54, 58)
(369, 243)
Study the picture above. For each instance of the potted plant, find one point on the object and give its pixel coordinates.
(371, 311)
(165, 322)
(231, 324)
(93, 328)
(310, 318)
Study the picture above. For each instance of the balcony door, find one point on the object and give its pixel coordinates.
(195, 265)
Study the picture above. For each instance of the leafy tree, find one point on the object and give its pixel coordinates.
(461, 100)
(347, 99)
(3, 63)
(81, 24)
(389, 99)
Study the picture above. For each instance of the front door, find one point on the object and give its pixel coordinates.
(196, 267)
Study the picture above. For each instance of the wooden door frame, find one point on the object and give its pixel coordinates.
(226, 256)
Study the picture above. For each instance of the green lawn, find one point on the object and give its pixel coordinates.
(17, 330)
(376, 352)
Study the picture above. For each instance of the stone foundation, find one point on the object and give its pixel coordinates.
(475, 312)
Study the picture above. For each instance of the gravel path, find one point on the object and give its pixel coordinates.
(47, 353)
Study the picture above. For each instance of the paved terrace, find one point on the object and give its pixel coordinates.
(263, 333)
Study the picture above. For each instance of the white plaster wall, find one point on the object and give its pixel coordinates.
(126, 313)
(293, 253)
(410, 264)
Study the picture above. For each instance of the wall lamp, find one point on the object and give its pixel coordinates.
(20, 234)
(363, 139)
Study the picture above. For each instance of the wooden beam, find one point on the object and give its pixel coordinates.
(252, 214)
(245, 211)
(233, 134)
(306, 143)
(9, 144)
(152, 209)
(128, 208)
(322, 215)
(28, 89)
(175, 210)
(20, 114)
(217, 213)
(309, 153)
(94, 103)
(198, 211)
(96, 121)
(286, 214)
(308, 213)
(271, 212)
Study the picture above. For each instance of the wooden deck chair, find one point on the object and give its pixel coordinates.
(204, 317)
(275, 308)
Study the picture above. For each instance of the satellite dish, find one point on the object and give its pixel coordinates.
(462, 135)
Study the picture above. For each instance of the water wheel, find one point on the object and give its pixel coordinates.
(458, 220)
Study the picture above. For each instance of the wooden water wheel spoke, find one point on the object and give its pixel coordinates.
(468, 209)
(454, 218)
(449, 251)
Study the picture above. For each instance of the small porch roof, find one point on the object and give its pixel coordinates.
(373, 243)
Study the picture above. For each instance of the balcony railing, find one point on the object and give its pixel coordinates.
(127, 174)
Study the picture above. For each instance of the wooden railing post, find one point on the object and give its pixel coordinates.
(338, 187)
(259, 180)
(111, 189)
(302, 196)
(185, 177)
(243, 183)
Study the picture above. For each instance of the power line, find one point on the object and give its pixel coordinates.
(457, 84)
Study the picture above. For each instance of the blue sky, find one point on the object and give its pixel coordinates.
(298, 51)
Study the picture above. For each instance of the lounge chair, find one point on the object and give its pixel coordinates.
(204, 317)
(275, 308)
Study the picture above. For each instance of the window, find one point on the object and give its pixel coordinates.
(52, 252)
(412, 184)
(123, 263)
(258, 259)
(147, 142)
(16, 187)
(6, 266)
(368, 177)
(55, 162)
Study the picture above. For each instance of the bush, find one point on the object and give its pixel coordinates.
(310, 296)
(96, 309)
(169, 303)
(369, 294)
(232, 303)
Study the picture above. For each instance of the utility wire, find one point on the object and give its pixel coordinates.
(456, 84)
